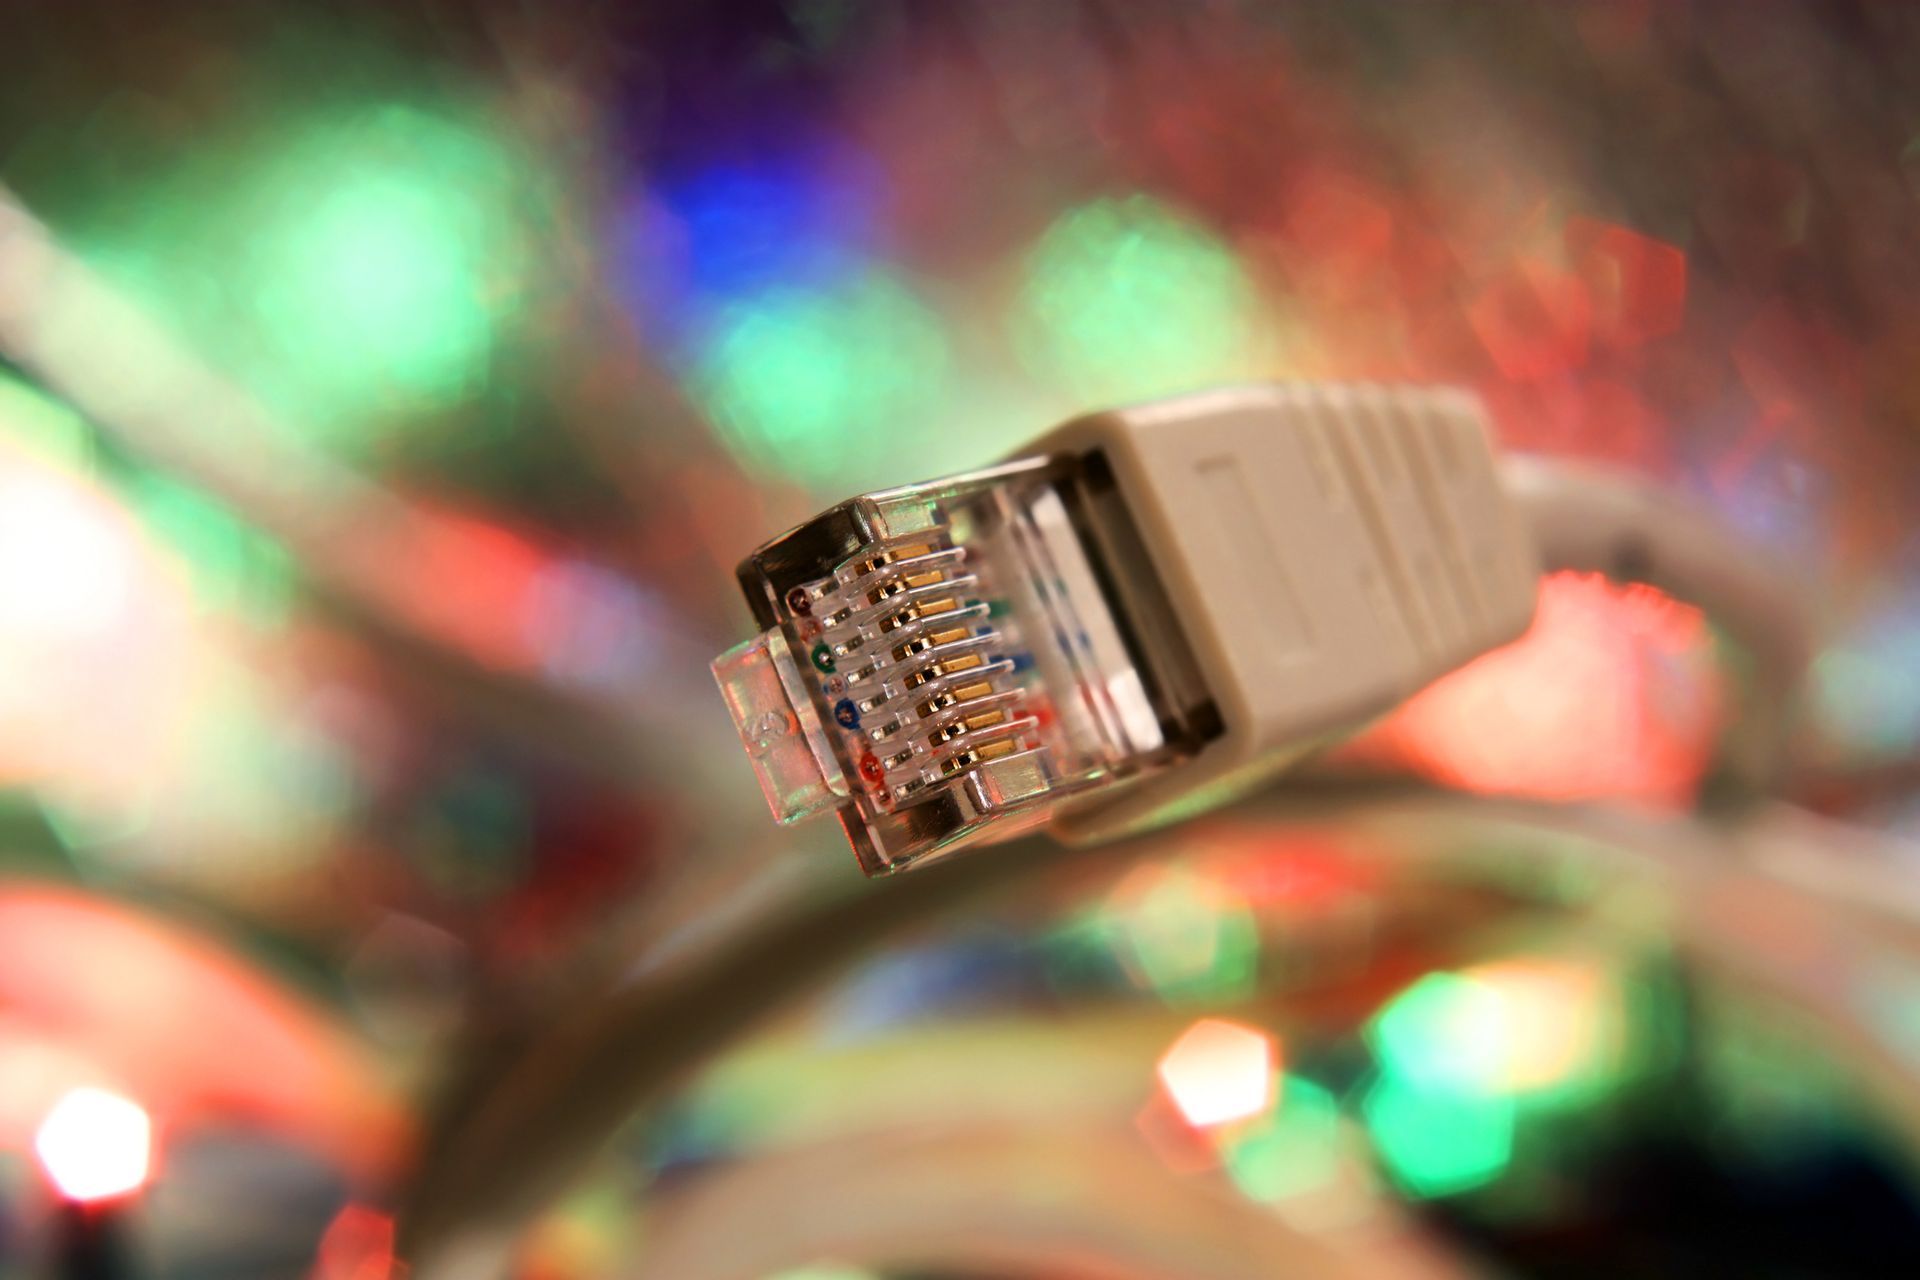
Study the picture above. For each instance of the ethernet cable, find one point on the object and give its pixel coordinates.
(1166, 606)
(1154, 609)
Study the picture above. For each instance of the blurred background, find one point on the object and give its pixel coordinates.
(388, 389)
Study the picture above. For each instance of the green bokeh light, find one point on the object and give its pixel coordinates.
(1295, 1149)
(809, 384)
(1444, 1032)
(1437, 1141)
(356, 270)
(371, 280)
(1125, 300)
(1547, 1031)
(384, 256)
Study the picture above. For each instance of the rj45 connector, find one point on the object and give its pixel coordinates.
(1154, 609)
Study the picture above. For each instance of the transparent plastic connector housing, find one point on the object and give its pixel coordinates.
(945, 662)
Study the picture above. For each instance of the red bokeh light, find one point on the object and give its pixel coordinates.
(1534, 321)
(1608, 695)
(1638, 285)
(358, 1245)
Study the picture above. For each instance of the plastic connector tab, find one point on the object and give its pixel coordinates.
(1154, 610)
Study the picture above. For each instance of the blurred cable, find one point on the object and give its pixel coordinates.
(374, 557)
(504, 1145)
(941, 1193)
(497, 1160)
(1604, 520)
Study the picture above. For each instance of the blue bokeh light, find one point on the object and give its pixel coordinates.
(696, 241)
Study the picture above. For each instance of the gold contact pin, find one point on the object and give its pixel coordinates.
(946, 667)
(878, 562)
(976, 755)
(954, 697)
(920, 644)
(968, 724)
(896, 586)
(918, 610)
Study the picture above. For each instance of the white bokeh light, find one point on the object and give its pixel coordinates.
(1219, 1071)
(95, 1145)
